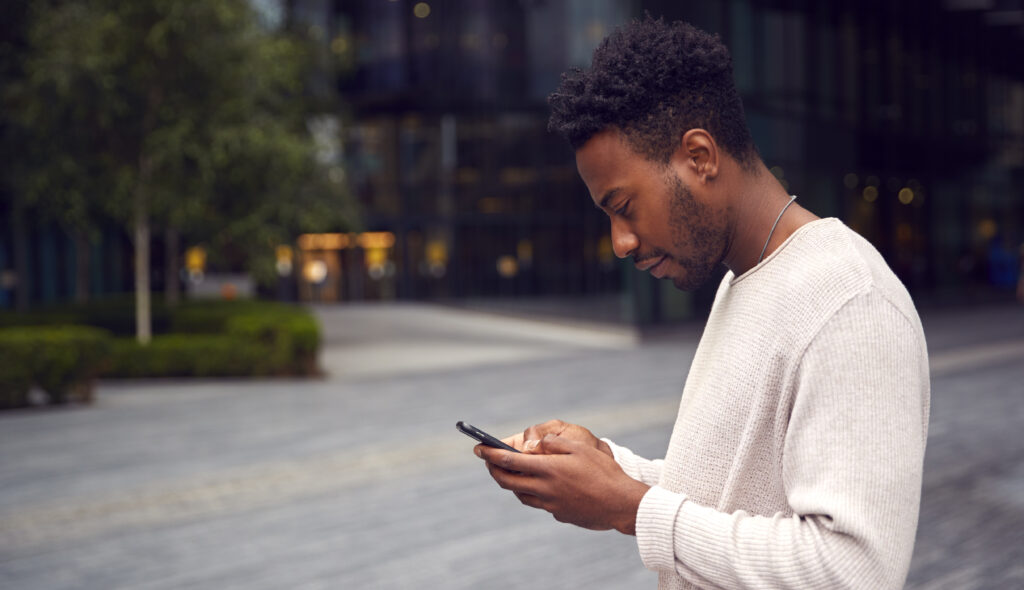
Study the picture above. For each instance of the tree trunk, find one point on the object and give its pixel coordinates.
(172, 284)
(81, 267)
(143, 318)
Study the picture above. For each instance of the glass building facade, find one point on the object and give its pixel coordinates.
(904, 119)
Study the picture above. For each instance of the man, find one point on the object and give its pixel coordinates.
(796, 457)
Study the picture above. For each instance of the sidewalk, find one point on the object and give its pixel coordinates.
(360, 480)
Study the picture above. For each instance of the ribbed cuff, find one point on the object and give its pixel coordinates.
(655, 527)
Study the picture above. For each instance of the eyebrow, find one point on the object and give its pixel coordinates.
(608, 196)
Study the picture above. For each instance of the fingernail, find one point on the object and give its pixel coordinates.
(530, 445)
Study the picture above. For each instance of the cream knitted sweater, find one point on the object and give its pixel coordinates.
(795, 460)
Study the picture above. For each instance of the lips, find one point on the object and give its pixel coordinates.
(650, 263)
(660, 268)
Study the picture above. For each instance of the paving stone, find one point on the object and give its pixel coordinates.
(360, 480)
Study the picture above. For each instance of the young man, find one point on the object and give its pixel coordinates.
(796, 457)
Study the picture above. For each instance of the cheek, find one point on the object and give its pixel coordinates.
(697, 229)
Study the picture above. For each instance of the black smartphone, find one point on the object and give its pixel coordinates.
(484, 438)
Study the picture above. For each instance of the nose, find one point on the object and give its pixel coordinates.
(624, 241)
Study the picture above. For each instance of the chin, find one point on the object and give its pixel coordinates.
(692, 281)
(686, 285)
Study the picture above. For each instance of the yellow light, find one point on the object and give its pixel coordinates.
(195, 259)
(376, 257)
(283, 264)
(507, 266)
(323, 241)
(339, 45)
(437, 252)
(376, 239)
(870, 193)
(421, 10)
(906, 195)
(315, 271)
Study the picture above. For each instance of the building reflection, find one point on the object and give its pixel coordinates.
(904, 119)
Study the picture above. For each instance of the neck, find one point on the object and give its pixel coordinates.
(756, 205)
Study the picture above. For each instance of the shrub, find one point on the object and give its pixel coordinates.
(188, 355)
(237, 339)
(209, 338)
(291, 336)
(211, 316)
(63, 361)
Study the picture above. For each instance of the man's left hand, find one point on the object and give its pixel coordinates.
(576, 483)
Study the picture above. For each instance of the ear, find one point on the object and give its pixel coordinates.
(697, 156)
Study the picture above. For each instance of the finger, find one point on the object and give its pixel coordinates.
(538, 431)
(515, 441)
(530, 500)
(559, 445)
(514, 482)
(510, 461)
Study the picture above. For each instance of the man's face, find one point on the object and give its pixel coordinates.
(655, 218)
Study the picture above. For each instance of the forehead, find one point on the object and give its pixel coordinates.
(606, 162)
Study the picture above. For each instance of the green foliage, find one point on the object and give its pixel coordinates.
(292, 339)
(61, 360)
(196, 339)
(187, 355)
(192, 107)
(266, 340)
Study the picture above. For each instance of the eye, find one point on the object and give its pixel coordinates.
(622, 209)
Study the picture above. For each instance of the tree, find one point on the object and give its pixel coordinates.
(185, 116)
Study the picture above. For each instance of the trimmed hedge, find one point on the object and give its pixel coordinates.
(211, 317)
(264, 339)
(63, 361)
(187, 355)
(205, 339)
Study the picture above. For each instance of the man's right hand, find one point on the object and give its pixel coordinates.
(529, 440)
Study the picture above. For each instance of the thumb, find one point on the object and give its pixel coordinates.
(553, 444)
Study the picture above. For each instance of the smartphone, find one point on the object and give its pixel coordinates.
(484, 438)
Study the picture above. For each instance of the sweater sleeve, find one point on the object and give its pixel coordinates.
(851, 468)
(635, 466)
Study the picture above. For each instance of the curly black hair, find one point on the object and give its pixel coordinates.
(654, 81)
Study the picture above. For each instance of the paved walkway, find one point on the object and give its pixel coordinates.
(360, 480)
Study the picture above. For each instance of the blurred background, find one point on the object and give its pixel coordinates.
(427, 122)
(278, 247)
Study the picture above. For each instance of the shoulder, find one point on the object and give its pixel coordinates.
(821, 268)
